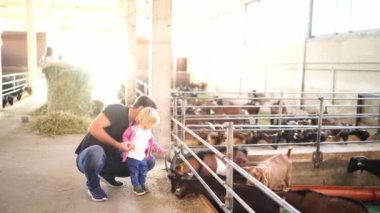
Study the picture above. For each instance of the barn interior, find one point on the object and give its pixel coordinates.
(294, 61)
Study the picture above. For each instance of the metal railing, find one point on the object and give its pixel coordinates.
(142, 88)
(231, 166)
(357, 111)
(12, 83)
(353, 112)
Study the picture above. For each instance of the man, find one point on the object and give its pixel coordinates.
(99, 153)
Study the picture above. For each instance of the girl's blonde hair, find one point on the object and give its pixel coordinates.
(148, 114)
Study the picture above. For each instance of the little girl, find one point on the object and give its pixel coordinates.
(140, 135)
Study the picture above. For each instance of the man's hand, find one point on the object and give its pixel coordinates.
(130, 146)
(126, 146)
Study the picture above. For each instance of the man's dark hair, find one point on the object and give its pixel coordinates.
(144, 101)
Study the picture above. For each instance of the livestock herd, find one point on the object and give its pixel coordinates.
(17, 94)
(207, 117)
(274, 173)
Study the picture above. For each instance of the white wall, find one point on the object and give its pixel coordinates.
(270, 57)
(344, 63)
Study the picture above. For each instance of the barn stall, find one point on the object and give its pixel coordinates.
(325, 130)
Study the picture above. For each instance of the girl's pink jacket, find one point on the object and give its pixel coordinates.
(153, 146)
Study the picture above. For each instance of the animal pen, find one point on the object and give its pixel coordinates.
(208, 120)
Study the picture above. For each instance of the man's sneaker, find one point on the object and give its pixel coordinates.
(138, 190)
(97, 194)
(145, 189)
(110, 180)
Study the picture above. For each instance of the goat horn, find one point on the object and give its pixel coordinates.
(211, 125)
(166, 165)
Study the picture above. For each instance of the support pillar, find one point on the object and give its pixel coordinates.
(130, 84)
(1, 67)
(303, 55)
(31, 44)
(161, 66)
(53, 30)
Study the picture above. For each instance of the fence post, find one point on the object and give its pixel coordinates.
(1, 80)
(318, 155)
(175, 115)
(281, 108)
(229, 172)
(183, 118)
(378, 125)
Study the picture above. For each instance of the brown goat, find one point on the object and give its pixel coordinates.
(212, 161)
(308, 201)
(278, 108)
(274, 172)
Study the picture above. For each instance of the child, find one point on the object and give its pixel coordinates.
(139, 136)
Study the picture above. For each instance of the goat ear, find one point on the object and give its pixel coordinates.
(264, 178)
(180, 169)
(189, 176)
(248, 169)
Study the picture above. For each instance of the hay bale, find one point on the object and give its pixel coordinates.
(97, 107)
(69, 88)
(59, 123)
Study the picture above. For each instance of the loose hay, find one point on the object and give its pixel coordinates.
(59, 123)
(42, 110)
(96, 107)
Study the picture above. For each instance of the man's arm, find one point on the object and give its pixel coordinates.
(96, 129)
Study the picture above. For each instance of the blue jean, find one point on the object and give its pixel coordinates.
(138, 170)
(93, 160)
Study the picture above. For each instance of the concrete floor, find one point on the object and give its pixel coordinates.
(38, 174)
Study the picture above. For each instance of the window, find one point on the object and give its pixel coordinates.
(342, 16)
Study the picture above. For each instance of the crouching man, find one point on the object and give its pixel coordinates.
(99, 153)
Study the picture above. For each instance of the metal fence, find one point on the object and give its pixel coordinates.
(180, 145)
(142, 88)
(279, 113)
(12, 83)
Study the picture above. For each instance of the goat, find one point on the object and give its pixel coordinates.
(278, 108)
(254, 197)
(362, 163)
(211, 160)
(361, 134)
(254, 137)
(11, 97)
(274, 172)
(308, 201)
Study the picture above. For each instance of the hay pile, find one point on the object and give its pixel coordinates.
(69, 107)
(59, 123)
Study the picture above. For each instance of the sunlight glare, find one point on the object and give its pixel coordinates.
(100, 54)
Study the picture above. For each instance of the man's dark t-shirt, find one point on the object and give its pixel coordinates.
(117, 114)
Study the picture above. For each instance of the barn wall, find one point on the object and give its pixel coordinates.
(343, 63)
(14, 50)
(270, 55)
(239, 52)
(215, 51)
(142, 52)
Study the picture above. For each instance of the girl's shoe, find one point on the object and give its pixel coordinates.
(139, 190)
(145, 189)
